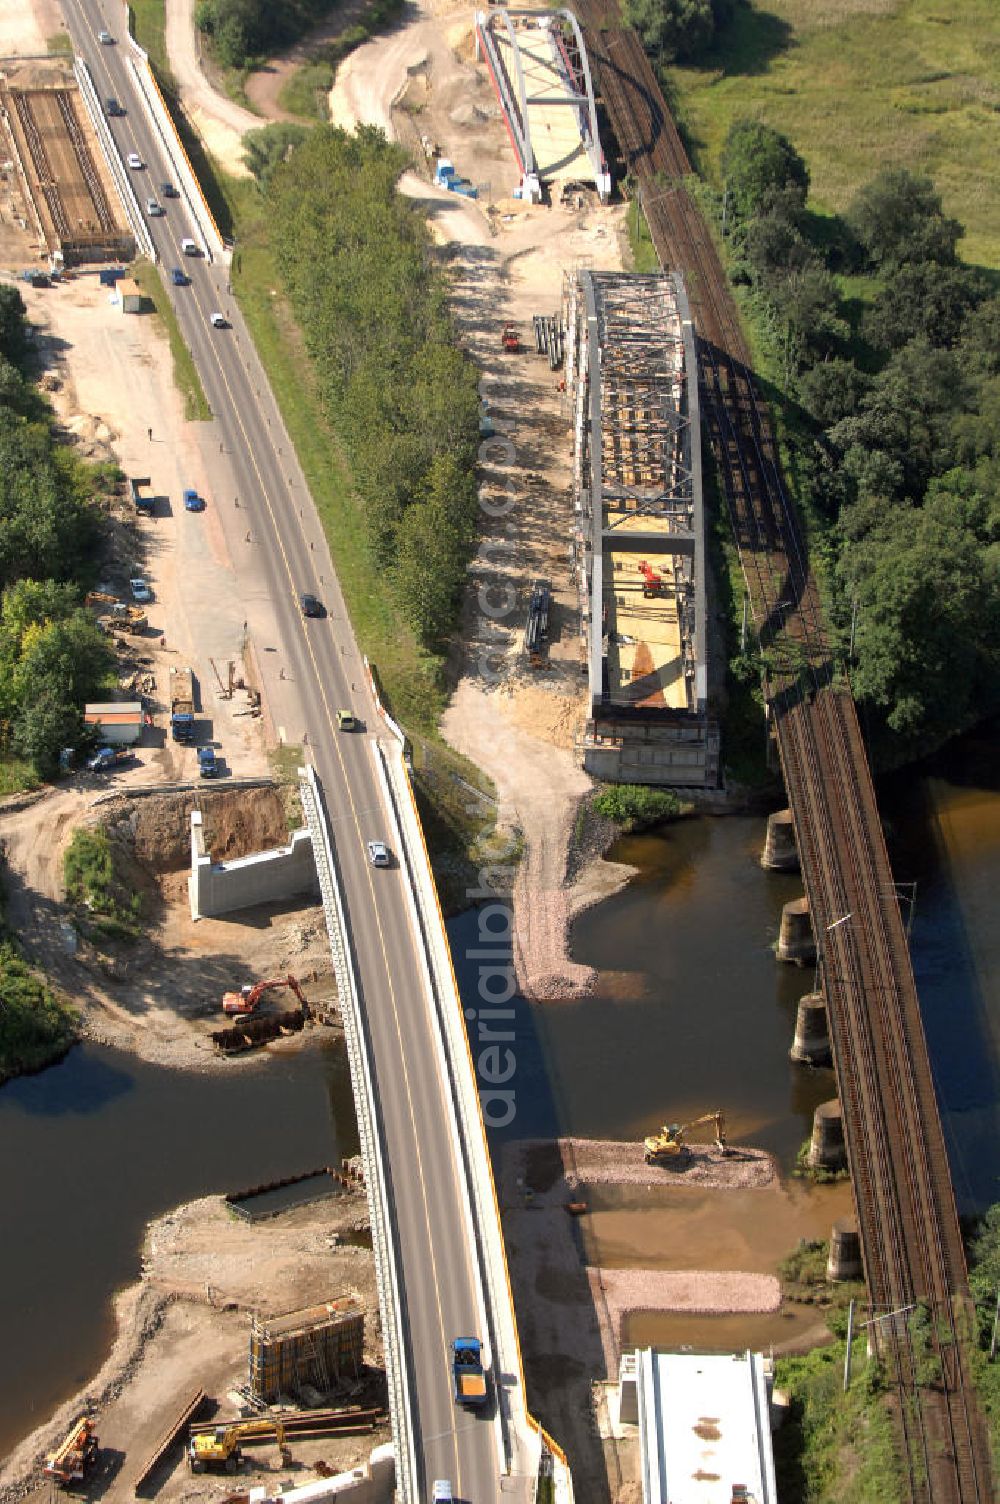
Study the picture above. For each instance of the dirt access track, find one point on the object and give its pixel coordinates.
(186, 1324)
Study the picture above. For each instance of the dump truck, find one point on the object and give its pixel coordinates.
(467, 1371)
(182, 704)
(74, 1455)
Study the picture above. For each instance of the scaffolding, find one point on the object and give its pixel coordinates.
(322, 1346)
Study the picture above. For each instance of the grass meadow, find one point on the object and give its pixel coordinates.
(858, 85)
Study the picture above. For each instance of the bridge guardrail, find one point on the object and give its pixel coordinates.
(475, 1160)
(111, 156)
(376, 1176)
(156, 109)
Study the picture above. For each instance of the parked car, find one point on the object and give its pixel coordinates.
(189, 247)
(179, 278)
(193, 502)
(112, 107)
(169, 191)
(134, 161)
(140, 591)
(106, 758)
(208, 763)
(218, 321)
(311, 605)
(379, 854)
(153, 208)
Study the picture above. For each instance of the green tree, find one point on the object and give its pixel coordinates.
(832, 389)
(47, 526)
(264, 149)
(671, 28)
(759, 164)
(923, 299)
(13, 325)
(898, 218)
(928, 634)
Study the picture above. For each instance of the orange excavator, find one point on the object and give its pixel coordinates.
(239, 1004)
(75, 1456)
(653, 581)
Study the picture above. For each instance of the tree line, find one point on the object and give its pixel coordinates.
(371, 302)
(897, 451)
(53, 658)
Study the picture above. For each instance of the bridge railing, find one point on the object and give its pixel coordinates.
(524, 1442)
(384, 1243)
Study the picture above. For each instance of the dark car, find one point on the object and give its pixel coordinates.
(112, 107)
(311, 606)
(179, 278)
(169, 191)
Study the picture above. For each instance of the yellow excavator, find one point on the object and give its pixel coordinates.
(668, 1146)
(220, 1447)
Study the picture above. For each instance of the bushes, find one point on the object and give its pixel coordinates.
(35, 1027)
(244, 30)
(636, 806)
(92, 883)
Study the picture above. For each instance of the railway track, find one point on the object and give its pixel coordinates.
(911, 1242)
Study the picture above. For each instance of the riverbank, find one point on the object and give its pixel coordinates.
(185, 1325)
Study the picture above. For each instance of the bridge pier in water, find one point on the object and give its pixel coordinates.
(795, 938)
(828, 1150)
(780, 853)
(844, 1262)
(811, 1045)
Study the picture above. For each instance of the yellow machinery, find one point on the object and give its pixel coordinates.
(668, 1146)
(220, 1448)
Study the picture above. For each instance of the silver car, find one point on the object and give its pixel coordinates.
(379, 854)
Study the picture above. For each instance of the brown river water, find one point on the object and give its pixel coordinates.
(691, 1012)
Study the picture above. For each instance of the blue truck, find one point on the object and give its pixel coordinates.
(467, 1371)
(208, 763)
(106, 758)
(182, 704)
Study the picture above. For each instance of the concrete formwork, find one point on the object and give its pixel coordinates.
(269, 877)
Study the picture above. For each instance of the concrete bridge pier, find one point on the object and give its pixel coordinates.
(827, 1151)
(780, 852)
(811, 1045)
(795, 938)
(844, 1262)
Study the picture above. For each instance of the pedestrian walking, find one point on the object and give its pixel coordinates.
(150, 433)
(248, 537)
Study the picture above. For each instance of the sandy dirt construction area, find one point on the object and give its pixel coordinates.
(186, 1324)
(571, 1310)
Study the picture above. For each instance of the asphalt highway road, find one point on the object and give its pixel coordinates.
(440, 1300)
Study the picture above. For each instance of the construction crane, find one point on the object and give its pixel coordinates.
(220, 1449)
(239, 1004)
(78, 1452)
(653, 581)
(668, 1146)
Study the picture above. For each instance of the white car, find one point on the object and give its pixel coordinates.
(188, 246)
(134, 161)
(218, 321)
(441, 1492)
(153, 208)
(378, 854)
(105, 38)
